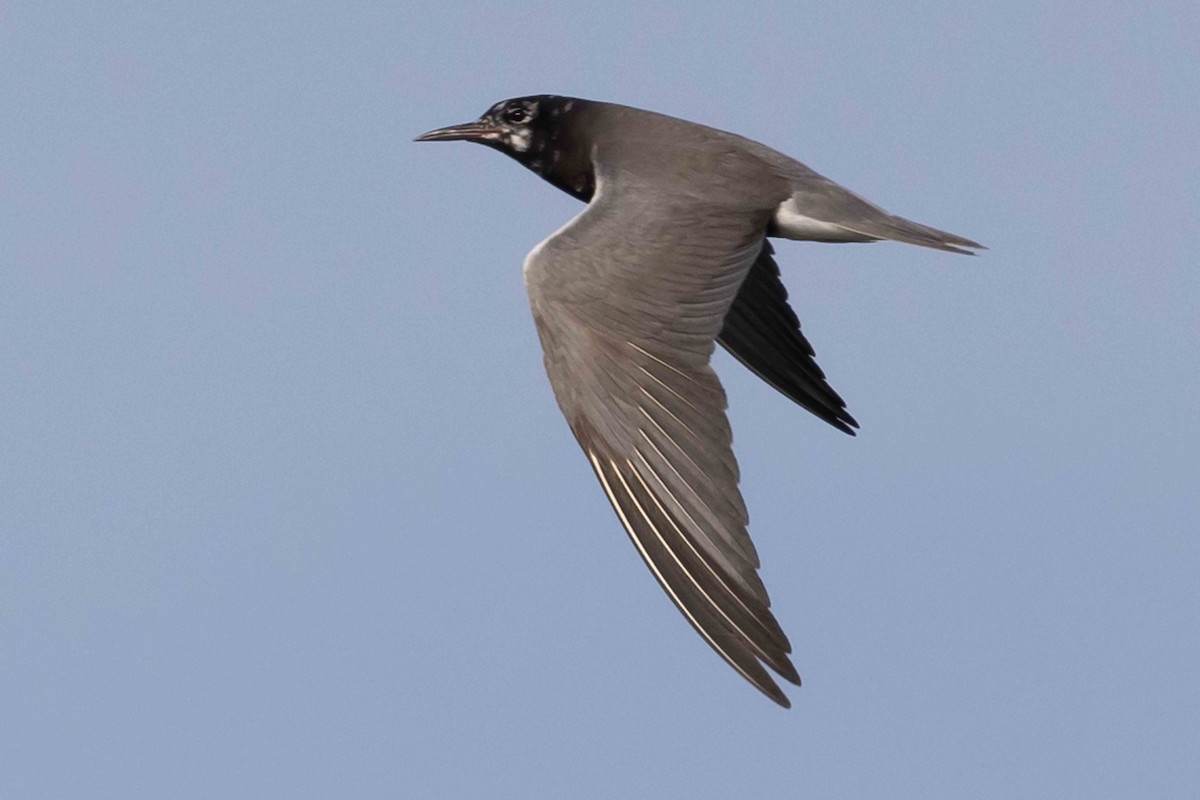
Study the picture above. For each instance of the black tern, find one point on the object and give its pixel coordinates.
(630, 297)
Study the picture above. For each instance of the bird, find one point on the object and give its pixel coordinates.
(670, 257)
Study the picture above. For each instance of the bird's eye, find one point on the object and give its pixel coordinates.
(517, 115)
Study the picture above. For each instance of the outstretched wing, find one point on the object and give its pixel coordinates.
(763, 333)
(629, 298)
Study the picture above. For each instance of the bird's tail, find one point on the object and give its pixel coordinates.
(899, 229)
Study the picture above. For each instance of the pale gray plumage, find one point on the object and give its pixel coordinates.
(630, 298)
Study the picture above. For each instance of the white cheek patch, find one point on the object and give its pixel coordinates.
(519, 140)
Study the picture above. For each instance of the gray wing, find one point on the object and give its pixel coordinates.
(628, 300)
(762, 332)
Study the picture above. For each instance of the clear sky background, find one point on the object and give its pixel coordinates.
(287, 509)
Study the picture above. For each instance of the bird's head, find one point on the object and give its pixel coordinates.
(514, 126)
(539, 131)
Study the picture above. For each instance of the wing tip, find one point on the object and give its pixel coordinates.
(771, 689)
(845, 423)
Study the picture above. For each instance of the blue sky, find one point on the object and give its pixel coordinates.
(287, 508)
